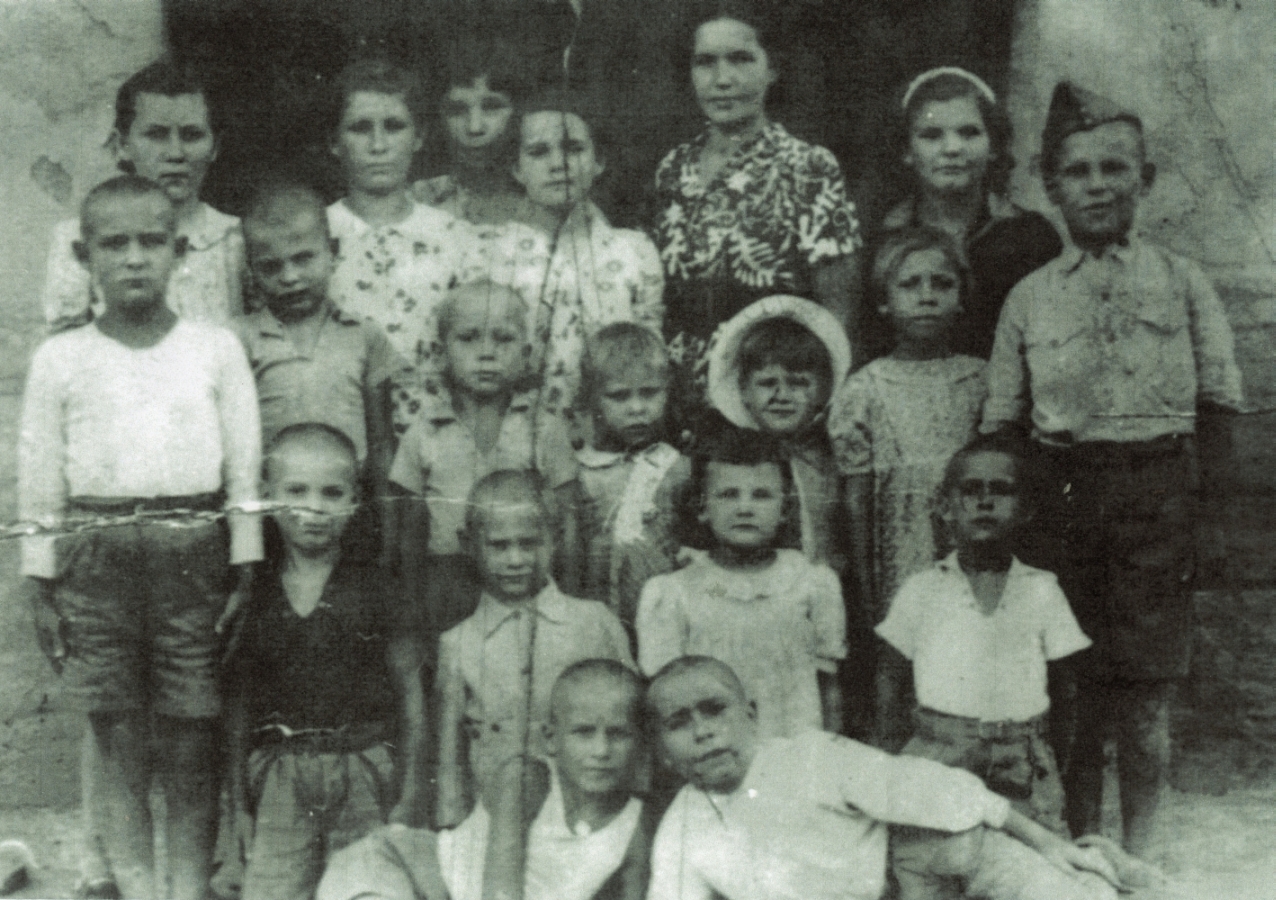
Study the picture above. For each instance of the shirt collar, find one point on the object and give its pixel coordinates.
(950, 565)
(268, 324)
(1073, 256)
(208, 227)
(593, 458)
(438, 409)
(549, 604)
(996, 209)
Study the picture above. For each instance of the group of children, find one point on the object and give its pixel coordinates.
(480, 517)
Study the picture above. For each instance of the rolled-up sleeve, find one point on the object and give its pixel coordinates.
(42, 486)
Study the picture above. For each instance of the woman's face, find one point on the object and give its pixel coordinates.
(730, 72)
(475, 115)
(556, 161)
(170, 142)
(375, 142)
(948, 145)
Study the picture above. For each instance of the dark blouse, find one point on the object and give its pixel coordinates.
(329, 669)
(1006, 245)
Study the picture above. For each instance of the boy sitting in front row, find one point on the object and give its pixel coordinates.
(315, 679)
(312, 361)
(497, 667)
(141, 411)
(1111, 350)
(590, 839)
(806, 816)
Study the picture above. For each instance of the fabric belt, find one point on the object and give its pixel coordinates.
(122, 506)
(347, 739)
(1123, 452)
(934, 725)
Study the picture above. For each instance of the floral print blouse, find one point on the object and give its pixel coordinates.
(777, 209)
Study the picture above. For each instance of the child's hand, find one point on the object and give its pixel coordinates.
(49, 624)
(1071, 859)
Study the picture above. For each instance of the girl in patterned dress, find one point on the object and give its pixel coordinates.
(897, 421)
(746, 210)
(578, 271)
(396, 258)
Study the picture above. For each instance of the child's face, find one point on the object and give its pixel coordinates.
(984, 507)
(476, 116)
(376, 142)
(486, 346)
(743, 505)
(781, 400)
(556, 161)
(923, 296)
(631, 405)
(707, 732)
(130, 249)
(513, 550)
(292, 263)
(948, 145)
(594, 737)
(1099, 180)
(171, 143)
(319, 483)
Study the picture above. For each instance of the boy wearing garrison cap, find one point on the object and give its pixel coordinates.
(1108, 353)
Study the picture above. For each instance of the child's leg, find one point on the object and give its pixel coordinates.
(125, 785)
(1143, 757)
(96, 879)
(189, 777)
(287, 853)
(361, 788)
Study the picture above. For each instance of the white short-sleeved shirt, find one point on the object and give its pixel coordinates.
(968, 663)
(775, 628)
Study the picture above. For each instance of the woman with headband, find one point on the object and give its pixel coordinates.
(955, 145)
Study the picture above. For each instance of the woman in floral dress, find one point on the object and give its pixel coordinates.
(396, 258)
(746, 209)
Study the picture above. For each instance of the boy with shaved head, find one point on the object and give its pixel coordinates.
(590, 839)
(139, 411)
(806, 817)
(312, 361)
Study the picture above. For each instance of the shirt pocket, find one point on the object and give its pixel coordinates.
(1162, 351)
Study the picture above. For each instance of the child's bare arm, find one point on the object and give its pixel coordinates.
(406, 656)
(380, 432)
(858, 497)
(410, 533)
(830, 701)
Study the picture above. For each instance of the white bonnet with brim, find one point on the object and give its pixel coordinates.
(724, 350)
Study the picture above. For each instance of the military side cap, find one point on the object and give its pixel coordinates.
(1074, 109)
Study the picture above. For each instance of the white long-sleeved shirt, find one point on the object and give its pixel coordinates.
(101, 419)
(809, 822)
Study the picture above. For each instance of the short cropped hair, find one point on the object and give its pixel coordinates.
(895, 246)
(592, 670)
(380, 76)
(728, 444)
(120, 186)
(1003, 442)
(312, 434)
(276, 199)
(620, 347)
(162, 77)
(512, 487)
(445, 313)
(683, 664)
(784, 342)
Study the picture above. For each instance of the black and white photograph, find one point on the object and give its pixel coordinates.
(638, 449)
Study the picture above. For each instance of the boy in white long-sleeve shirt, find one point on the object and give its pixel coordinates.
(141, 411)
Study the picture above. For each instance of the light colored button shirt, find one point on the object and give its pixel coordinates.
(970, 663)
(331, 383)
(483, 660)
(439, 459)
(809, 822)
(206, 283)
(100, 419)
(1114, 348)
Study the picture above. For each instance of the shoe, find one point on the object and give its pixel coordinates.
(1133, 872)
(98, 889)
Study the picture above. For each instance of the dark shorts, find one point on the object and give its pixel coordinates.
(140, 602)
(1115, 523)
